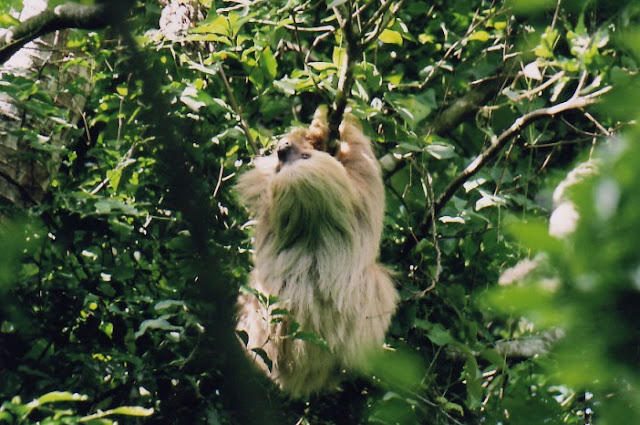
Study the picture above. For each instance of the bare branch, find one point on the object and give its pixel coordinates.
(69, 15)
(466, 105)
(322, 28)
(575, 102)
(238, 110)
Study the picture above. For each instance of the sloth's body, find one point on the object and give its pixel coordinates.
(319, 220)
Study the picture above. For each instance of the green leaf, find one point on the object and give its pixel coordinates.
(529, 7)
(114, 177)
(413, 108)
(28, 270)
(58, 396)
(131, 411)
(439, 335)
(314, 339)
(111, 205)
(292, 86)
(494, 357)
(219, 24)
(338, 56)
(209, 37)
(124, 410)
(7, 21)
(280, 312)
(401, 367)
(535, 235)
(480, 36)
(161, 324)
(265, 358)
(322, 66)
(441, 151)
(474, 382)
(390, 37)
(268, 64)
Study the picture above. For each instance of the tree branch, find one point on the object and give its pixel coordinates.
(456, 113)
(519, 349)
(577, 101)
(238, 110)
(466, 105)
(354, 46)
(345, 82)
(69, 15)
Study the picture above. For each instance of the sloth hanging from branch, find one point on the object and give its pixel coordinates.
(318, 226)
(319, 221)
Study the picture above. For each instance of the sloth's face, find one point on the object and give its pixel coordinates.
(293, 148)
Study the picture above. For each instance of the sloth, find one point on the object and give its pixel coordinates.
(318, 226)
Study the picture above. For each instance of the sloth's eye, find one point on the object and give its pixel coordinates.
(305, 156)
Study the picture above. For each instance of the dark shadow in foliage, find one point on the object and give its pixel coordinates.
(249, 396)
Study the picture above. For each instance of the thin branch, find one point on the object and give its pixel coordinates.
(238, 111)
(69, 15)
(322, 28)
(443, 60)
(530, 93)
(575, 102)
(384, 22)
(346, 80)
(378, 13)
(219, 183)
(434, 234)
(354, 46)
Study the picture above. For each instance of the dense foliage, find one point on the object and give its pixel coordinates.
(117, 289)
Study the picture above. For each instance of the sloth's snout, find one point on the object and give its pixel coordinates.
(286, 152)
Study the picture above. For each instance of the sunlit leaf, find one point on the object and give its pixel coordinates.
(480, 36)
(413, 108)
(441, 151)
(390, 37)
(58, 396)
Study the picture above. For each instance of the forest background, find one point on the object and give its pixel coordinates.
(123, 245)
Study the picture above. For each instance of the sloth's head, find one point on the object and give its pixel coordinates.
(294, 147)
(309, 193)
(301, 194)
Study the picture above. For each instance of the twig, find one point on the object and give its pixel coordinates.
(293, 27)
(384, 22)
(575, 102)
(354, 46)
(444, 58)
(530, 93)
(220, 174)
(434, 234)
(378, 13)
(346, 79)
(238, 111)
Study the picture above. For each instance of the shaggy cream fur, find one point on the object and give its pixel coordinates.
(319, 220)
